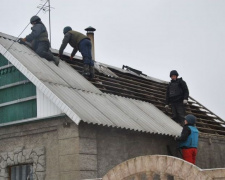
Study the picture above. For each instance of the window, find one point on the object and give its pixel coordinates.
(21, 172)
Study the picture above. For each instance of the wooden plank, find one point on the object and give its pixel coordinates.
(212, 126)
(129, 88)
(212, 131)
(156, 103)
(133, 86)
(137, 94)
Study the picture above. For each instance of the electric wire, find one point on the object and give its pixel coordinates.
(23, 30)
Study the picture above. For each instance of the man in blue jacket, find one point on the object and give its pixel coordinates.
(39, 40)
(188, 141)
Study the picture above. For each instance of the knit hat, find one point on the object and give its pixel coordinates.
(191, 119)
(66, 29)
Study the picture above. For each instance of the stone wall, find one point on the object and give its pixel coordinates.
(215, 174)
(52, 146)
(36, 157)
(161, 167)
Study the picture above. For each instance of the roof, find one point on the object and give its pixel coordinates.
(127, 83)
(123, 84)
(82, 100)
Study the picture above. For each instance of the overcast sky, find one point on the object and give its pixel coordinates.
(154, 36)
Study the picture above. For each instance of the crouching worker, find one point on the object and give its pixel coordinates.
(39, 40)
(82, 43)
(188, 141)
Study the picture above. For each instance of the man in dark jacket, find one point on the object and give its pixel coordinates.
(188, 141)
(79, 42)
(177, 95)
(39, 40)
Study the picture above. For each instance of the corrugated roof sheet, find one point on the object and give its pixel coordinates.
(80, 100)
(46, 71)
(104, 70)
(116, 111)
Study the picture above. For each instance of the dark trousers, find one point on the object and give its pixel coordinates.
(178, 110)
(42, 49)
(85, 50)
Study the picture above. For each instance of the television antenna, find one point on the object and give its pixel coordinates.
(47, 8)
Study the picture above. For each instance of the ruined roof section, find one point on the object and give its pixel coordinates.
(148, 89)
(82, 100)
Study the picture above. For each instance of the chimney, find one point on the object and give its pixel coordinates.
(90, 33)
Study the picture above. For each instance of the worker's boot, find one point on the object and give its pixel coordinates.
(86, 70)
(56, 60)
(92, 72)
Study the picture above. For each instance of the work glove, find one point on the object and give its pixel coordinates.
(22, 40)
(167, 107)
(185, 101)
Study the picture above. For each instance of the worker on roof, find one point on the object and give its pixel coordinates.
(188, 141)
(177, 95)
(39, 40)
(82, 43)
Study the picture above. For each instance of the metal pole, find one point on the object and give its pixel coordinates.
(49, 22)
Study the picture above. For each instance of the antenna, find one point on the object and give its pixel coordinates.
(22, 31)
(47, 8)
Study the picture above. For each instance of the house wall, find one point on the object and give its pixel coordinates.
(53, 144)
(70, 152)
(106, 147)
(211, 152)
(45, 107)
(111, 146)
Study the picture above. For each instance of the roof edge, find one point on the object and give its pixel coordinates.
(129, 129)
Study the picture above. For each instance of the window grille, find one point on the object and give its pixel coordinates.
(21, 172)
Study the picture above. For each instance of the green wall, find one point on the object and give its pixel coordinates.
(15, 111)
(3, 60)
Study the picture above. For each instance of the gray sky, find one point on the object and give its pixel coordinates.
(154, 36)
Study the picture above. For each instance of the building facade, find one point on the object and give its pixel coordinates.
(57, 125)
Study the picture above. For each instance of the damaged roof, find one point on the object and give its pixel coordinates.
(116, 97)
(82, 100)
